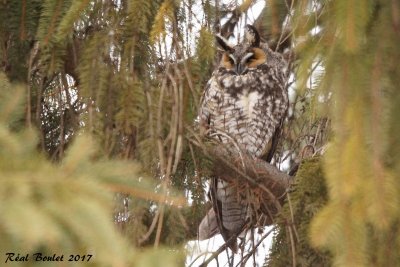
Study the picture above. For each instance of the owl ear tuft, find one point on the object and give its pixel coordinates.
(251, 36)
(224, 44)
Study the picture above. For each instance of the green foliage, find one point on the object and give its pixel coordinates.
(357, 47)
(52, 12)
(141, 21)
(205, 51)
(130, 102)
(10, 98)
(165, 17)
(308, 196)
(65, 208)
(193, 166)
(53, 50)
(18, 25)
(66, 25)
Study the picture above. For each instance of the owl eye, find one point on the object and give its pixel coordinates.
(251, 59)
(228, 61)
(256, 58)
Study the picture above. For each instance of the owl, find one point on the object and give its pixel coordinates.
(243, 106)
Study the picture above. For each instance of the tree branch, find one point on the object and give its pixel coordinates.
(264, 181)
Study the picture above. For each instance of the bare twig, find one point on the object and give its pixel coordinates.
(255, 247)
(293, 246)
(222, 248)
(151, 229)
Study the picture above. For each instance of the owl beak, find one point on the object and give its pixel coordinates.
(240, 69)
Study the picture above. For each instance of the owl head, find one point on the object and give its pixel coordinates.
(246, 55)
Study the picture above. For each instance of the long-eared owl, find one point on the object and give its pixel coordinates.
(244, 103)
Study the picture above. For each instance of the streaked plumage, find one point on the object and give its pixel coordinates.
(243, 104)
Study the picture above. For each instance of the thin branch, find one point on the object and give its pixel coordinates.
(255, 247)
(151, 228)
(293, 246)
(218, 251)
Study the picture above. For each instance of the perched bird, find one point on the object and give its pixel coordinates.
(243, 106)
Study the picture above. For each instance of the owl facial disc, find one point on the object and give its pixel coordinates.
(244, 56)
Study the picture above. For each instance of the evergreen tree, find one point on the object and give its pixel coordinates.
(129, 75)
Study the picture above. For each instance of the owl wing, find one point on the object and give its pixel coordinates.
(278, 67)
(209, 104)
(273, 143)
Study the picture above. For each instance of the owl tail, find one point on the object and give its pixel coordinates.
(208, 226)
(230, 212)
(233, 212)
(228, 215)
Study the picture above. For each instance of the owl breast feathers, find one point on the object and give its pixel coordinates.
(245, 109)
